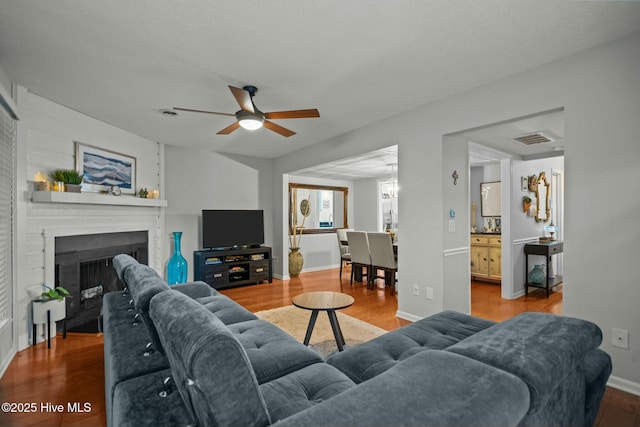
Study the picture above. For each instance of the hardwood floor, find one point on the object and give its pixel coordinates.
(73, 369)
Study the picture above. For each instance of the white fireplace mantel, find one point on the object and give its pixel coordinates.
(94, 199)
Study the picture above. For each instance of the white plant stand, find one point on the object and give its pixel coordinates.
(47, 311)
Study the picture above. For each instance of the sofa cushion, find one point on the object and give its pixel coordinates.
(302, 389)
(210, 367)
(124, 346)
(144, 283)
(272, 352)
(226, 309)
(439, 331)
(138, 403)
(431, 388)
(542, 349)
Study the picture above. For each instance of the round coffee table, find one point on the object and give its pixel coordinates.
(324, 301)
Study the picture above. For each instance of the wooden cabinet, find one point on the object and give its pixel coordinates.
(486, 257)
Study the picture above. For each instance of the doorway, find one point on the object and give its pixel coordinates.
(500, 152)
(498, 143)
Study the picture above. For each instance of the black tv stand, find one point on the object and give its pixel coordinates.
(224, 268)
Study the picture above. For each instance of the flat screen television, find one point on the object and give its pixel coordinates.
(232, 228)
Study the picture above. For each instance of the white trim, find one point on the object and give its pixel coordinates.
(456, 251)
(525, 241)
(94, 199)
(408, 316)
(8, 361)
(624, 385)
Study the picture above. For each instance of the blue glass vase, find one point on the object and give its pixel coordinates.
(177, 266)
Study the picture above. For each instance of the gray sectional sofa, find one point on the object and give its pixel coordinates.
(188, 355)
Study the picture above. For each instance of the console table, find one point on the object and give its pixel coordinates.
(233, 267)
(547, 250)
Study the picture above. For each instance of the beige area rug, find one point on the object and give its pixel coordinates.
(295, 320)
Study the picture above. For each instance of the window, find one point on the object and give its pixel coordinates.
(7, 180)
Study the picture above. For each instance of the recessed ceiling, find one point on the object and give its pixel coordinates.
(357, 61)
(374, 164)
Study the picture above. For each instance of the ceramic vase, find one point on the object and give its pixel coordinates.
(295, 262)
(537, 274)
(177, 266)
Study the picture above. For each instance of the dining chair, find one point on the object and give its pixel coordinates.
(360, 258)
(383, 258)
(343, 245)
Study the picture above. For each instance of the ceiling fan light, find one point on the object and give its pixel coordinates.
(250, 121)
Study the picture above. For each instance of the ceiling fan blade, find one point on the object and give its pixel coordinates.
(229, 129)
(278, 129)
(293, 114)
(202, 111)
(243, 98)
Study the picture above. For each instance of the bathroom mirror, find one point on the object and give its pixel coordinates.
(542, 199)
(491, 198)
(317, 208)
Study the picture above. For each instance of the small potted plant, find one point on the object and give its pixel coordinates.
(526, 203)
(54, 293)
(71, 178)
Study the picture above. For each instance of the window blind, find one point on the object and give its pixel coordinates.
(7, 181)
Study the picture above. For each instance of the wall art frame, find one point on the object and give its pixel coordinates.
(103, 169)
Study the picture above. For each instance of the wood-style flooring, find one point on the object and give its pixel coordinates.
(73, 369)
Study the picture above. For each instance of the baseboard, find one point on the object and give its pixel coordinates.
(624, 385)
(407, 316)
(307, 270)
(7, 362)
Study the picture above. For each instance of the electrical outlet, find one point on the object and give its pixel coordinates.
(620, 338)
(452, 226)
(275, 259)
(429, 293)
(416, 290)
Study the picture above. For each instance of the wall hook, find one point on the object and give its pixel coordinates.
(455, 177)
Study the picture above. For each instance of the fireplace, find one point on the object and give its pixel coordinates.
(83, 267)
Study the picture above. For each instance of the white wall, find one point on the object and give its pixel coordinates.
(456, 290)
(46, 136)
(365, 205)
(525, 229)
(600, 92)
(202, 179)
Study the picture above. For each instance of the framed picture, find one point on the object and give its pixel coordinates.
(103, 169)
(491, 198)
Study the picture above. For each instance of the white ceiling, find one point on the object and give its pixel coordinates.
(357, 61)
(488, 144)
(374, 164)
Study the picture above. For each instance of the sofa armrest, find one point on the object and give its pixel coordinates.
(541, 349)
(197, 289)
(431, 388)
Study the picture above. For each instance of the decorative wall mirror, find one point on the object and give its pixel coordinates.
(491, 198)
(317, 208)
(542, 199)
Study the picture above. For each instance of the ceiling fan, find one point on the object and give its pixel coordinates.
(250, 117)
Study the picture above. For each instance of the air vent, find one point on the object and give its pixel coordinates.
(533, 138)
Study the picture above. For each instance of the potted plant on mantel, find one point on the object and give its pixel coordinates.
(71, 178)
(295, 257)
